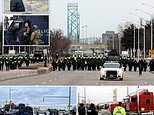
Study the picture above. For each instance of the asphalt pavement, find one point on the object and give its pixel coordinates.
(82, 78)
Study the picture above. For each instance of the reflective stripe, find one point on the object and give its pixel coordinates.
(118, 111)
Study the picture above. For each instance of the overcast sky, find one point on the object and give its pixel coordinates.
(101, 94)
(98, 15)
(34, 95)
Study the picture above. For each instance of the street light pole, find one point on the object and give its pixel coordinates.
(83, 33)
(138, 49)
(113, 40)
(10, 97)
(151, 32)
(86, 32)
(144, 43)
(151, 26)
(134, 41)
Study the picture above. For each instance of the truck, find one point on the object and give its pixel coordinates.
(125, 53)
(137, 103)
(78, 53)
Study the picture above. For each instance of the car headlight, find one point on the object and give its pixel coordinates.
(103, 71)
(119, 71)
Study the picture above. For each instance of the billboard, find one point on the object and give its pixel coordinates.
(26, 6)
(25, 30)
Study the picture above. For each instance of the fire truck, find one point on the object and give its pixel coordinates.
(137, 103)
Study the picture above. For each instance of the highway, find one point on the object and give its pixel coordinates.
(82, 78)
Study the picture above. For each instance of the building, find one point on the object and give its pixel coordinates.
(110, 40)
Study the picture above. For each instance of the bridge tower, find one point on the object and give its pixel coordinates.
(73, 22)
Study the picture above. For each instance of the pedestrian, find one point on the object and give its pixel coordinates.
(105, 111)
(130, 65)
(119, 110)
(17, 6)
(68, 63)
(54, 65)
(92, 110)
(81, 109)
(145, 65)
(151, 65)
(135, 65)
(140, 67)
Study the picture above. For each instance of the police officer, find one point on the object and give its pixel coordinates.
(74, 63)
(89, 64)
(81, 109)
(63, 64)
(145, 65)
(7, 63)
(151, 65)
(92, 110)
(26, 59)
(59, 64)
(130, 65)
(54, 65)
(119, 110)
(135, 65)
(68, 64)
(140, 66)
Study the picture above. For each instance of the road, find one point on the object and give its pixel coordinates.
(82, 78)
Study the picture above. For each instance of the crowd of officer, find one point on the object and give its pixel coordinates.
(131, 64)
(78, 63)
(95, 62)
(17, 61)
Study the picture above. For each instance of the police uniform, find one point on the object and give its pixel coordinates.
(119, 111)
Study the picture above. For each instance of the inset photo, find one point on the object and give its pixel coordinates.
(31, 100)
(26, 6)
(32, 30)
(111, 100)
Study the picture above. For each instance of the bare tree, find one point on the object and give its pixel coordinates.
(59, 44)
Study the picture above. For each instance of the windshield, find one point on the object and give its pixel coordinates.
(111, 65)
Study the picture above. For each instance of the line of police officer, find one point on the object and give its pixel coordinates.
(131, 64)
(79, 63)
(16, 61)
(95, 62)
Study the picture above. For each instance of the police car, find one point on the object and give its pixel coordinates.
(111, 70)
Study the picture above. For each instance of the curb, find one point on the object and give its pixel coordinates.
(15, 74)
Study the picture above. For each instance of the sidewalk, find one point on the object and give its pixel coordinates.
(24, 72)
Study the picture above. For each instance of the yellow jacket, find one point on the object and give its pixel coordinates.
(119, 111)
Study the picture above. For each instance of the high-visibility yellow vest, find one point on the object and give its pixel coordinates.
(119, 111)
